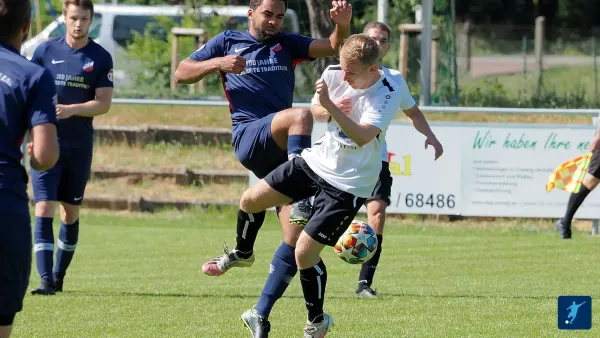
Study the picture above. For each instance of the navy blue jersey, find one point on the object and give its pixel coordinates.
(77, 74)
(27, 99)
(266, 85)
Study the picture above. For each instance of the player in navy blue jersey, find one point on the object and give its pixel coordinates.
(257, 70)
(27, 98)
(82, 72)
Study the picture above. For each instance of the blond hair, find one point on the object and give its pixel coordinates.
(361, 48)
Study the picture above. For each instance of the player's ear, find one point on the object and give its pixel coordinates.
(25, 30)
(250, 13)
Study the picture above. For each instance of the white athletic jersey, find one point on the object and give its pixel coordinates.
(335, 157)
(406, 101)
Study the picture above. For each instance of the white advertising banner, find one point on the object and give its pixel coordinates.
(505, 169)
(422, 185)
(497, 170)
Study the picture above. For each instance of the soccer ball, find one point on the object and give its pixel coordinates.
(358, 244)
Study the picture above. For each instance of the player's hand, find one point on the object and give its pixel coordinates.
(345, 105)
(232, 64)
(437, 146)
(595, 143)
(341, 12)
(29, 148)
(64, 111)
(323, 93)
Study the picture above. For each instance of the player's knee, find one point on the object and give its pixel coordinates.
(248, 202)
(590, 181)
(69, 213)
(302, 117)
(291, 235)
(45, 209)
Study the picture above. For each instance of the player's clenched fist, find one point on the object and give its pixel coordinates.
(232, 64)
(345, 105)
(323, 92)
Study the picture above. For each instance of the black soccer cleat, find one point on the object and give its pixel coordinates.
(563, 229)
(58, 283)
(46, 289)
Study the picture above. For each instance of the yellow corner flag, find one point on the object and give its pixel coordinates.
(569, 175)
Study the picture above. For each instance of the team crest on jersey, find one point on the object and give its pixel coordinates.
(55, 100)
(276, 48)
(88, 66)
(343, 135)
(110, 75)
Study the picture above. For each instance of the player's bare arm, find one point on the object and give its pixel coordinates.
(341, 14)
(422, 126)
(360, 133)
(43, 148)
(99, 106)
(190, 71)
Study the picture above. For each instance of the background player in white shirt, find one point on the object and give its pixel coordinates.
(379, 201)
(341, 168)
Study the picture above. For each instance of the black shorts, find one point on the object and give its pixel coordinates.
(383, 188)
(594, 166)
(333, 209)
(15, 261)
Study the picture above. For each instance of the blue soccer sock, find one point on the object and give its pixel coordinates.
(283, 270)
(44, 247)
(67, 242)
(297, 143)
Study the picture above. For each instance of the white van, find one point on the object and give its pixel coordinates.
(113, 25)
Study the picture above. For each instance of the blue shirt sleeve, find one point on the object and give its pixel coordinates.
(105, 75)
(214, 48)
(299, 45)
(42, 100)
(38, 55)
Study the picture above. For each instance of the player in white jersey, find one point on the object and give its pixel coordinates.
(379, 201)
(341, 168)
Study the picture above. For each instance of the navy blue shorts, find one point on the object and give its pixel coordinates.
(66, 181)
(15, 260)
(255, 148)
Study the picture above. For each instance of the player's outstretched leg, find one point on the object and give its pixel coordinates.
(281, 272)
(291, 130)
(242, 256)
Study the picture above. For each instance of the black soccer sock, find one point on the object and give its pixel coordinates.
(575, 201)
(368, 268)
(247, 230)
(314, 280)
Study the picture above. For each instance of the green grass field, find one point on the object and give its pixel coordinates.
(138, 275)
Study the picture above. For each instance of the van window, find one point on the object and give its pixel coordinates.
(61, 30)
(125, 25)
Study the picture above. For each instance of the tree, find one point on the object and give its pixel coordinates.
(321, 27)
